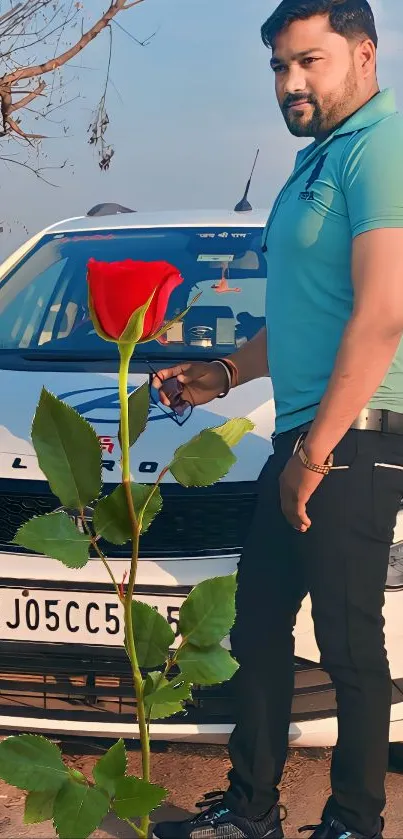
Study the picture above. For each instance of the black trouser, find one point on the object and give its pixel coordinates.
(342, 562)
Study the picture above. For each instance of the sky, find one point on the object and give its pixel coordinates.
(187, 114)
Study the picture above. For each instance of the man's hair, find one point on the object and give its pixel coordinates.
(350, 18)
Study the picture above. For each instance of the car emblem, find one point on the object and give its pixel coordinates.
(100, 406)
(200, 332)
(77, 520)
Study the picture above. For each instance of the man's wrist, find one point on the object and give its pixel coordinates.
(313, 466)
(316, 450)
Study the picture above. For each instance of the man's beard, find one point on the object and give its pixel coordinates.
(300, 126)
(326, 116)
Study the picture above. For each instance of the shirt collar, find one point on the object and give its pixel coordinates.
(382, 105)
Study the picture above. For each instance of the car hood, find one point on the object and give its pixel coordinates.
(95, 397)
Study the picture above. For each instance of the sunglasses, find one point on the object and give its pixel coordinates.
(179, 410)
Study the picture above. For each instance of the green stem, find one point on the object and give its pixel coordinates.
(109, 570)
(99, 552)
(171, 662)
(138, 684)
(136, 829)
(126, 352)
(154, 489)
(136, 674)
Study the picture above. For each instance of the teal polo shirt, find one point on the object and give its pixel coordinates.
(350, 183)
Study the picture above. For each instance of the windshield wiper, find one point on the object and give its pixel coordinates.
(66, 356)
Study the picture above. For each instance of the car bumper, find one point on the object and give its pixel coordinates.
(309, 734)
(85, 691)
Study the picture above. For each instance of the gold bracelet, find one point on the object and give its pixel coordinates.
(322, 469)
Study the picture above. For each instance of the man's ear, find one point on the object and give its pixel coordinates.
(366, 57)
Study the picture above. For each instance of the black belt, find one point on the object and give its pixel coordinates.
(375, 419)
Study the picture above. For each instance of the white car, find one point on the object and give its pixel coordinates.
(63, 669)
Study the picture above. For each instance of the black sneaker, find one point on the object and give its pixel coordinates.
(336, 830)
(217, 822)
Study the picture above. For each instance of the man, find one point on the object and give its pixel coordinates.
(334, 245)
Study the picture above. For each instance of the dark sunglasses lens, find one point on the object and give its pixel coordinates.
(182, 413)
(179, 410)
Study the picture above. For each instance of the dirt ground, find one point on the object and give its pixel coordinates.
(190, 771)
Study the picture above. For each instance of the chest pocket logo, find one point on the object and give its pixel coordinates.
(308, 194)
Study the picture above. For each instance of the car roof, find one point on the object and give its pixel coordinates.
(166, 218)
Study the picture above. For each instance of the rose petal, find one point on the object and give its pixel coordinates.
(119, 288)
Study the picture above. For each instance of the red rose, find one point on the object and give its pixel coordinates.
(118, 289)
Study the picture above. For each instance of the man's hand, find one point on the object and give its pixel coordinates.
(202, 382)
(297, 485)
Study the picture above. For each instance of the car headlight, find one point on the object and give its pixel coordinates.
(395, 572)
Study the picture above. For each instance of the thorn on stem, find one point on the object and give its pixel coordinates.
(122, 586)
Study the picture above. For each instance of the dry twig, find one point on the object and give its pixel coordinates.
(29, 18)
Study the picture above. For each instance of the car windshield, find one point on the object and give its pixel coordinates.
(43, 300)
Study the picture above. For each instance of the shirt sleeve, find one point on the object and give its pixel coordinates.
(372, 177)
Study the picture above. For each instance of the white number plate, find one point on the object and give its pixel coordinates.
(72, 617)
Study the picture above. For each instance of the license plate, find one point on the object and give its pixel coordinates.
(73, 617)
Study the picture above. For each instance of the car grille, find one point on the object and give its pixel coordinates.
(192, 521)
(96, 686)
(82, 685)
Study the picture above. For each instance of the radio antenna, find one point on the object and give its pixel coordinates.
(244, 206)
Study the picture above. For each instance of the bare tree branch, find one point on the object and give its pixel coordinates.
(27, 99)
(14, 23)
(100, 122)
(51, 65)
(61, 105)
(57, 47)
(36, 172)
(38, 39)
(47, 26)
(144, 43)
(16, 128)
(134, 3)
(10, 13)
